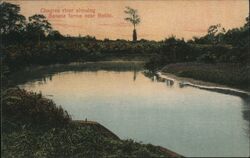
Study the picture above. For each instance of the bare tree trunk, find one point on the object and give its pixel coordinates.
(134, 35)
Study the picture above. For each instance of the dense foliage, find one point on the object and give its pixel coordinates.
(71, 50)
(20, 107)
(15, 28)
(217, 46)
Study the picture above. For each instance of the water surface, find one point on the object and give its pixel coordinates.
(189, 121)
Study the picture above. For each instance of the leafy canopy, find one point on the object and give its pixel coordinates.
(39, 22)
(133, 16)
(10, 18)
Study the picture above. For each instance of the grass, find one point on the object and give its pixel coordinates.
(73, 141)
(34, 126)
(233, 75)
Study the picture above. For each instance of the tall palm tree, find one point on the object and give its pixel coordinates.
(133, 18)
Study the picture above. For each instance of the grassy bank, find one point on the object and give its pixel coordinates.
(34, 126)
(233, 75)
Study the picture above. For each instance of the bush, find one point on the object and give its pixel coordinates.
(31, 109)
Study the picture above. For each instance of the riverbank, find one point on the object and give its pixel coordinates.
(34, 126)
(214, 75)
(184, 81)
(104, 131)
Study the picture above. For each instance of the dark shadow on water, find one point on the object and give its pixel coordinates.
(45, 73)
(135, 74)
(150, 75)
(169, 83)
(246, 114)
(156, 78)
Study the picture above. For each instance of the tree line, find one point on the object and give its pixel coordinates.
(33, 41)
(217, 46)
(15, 28)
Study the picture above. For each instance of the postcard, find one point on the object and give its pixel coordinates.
(123, 78)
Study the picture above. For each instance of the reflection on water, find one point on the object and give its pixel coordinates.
(246, 114)
(135, 73)
(169, 82)
(190, 121)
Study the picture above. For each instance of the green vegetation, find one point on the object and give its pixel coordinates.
(73, 141)
(74, 50)
(35, 127)
(20, 107)
(218, 46)
(233, 75)
(220, 56)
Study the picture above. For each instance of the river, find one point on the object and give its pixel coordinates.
(187, 120)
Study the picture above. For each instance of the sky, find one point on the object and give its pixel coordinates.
(159, 19)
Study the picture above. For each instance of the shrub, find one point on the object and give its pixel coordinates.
(31, 109)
